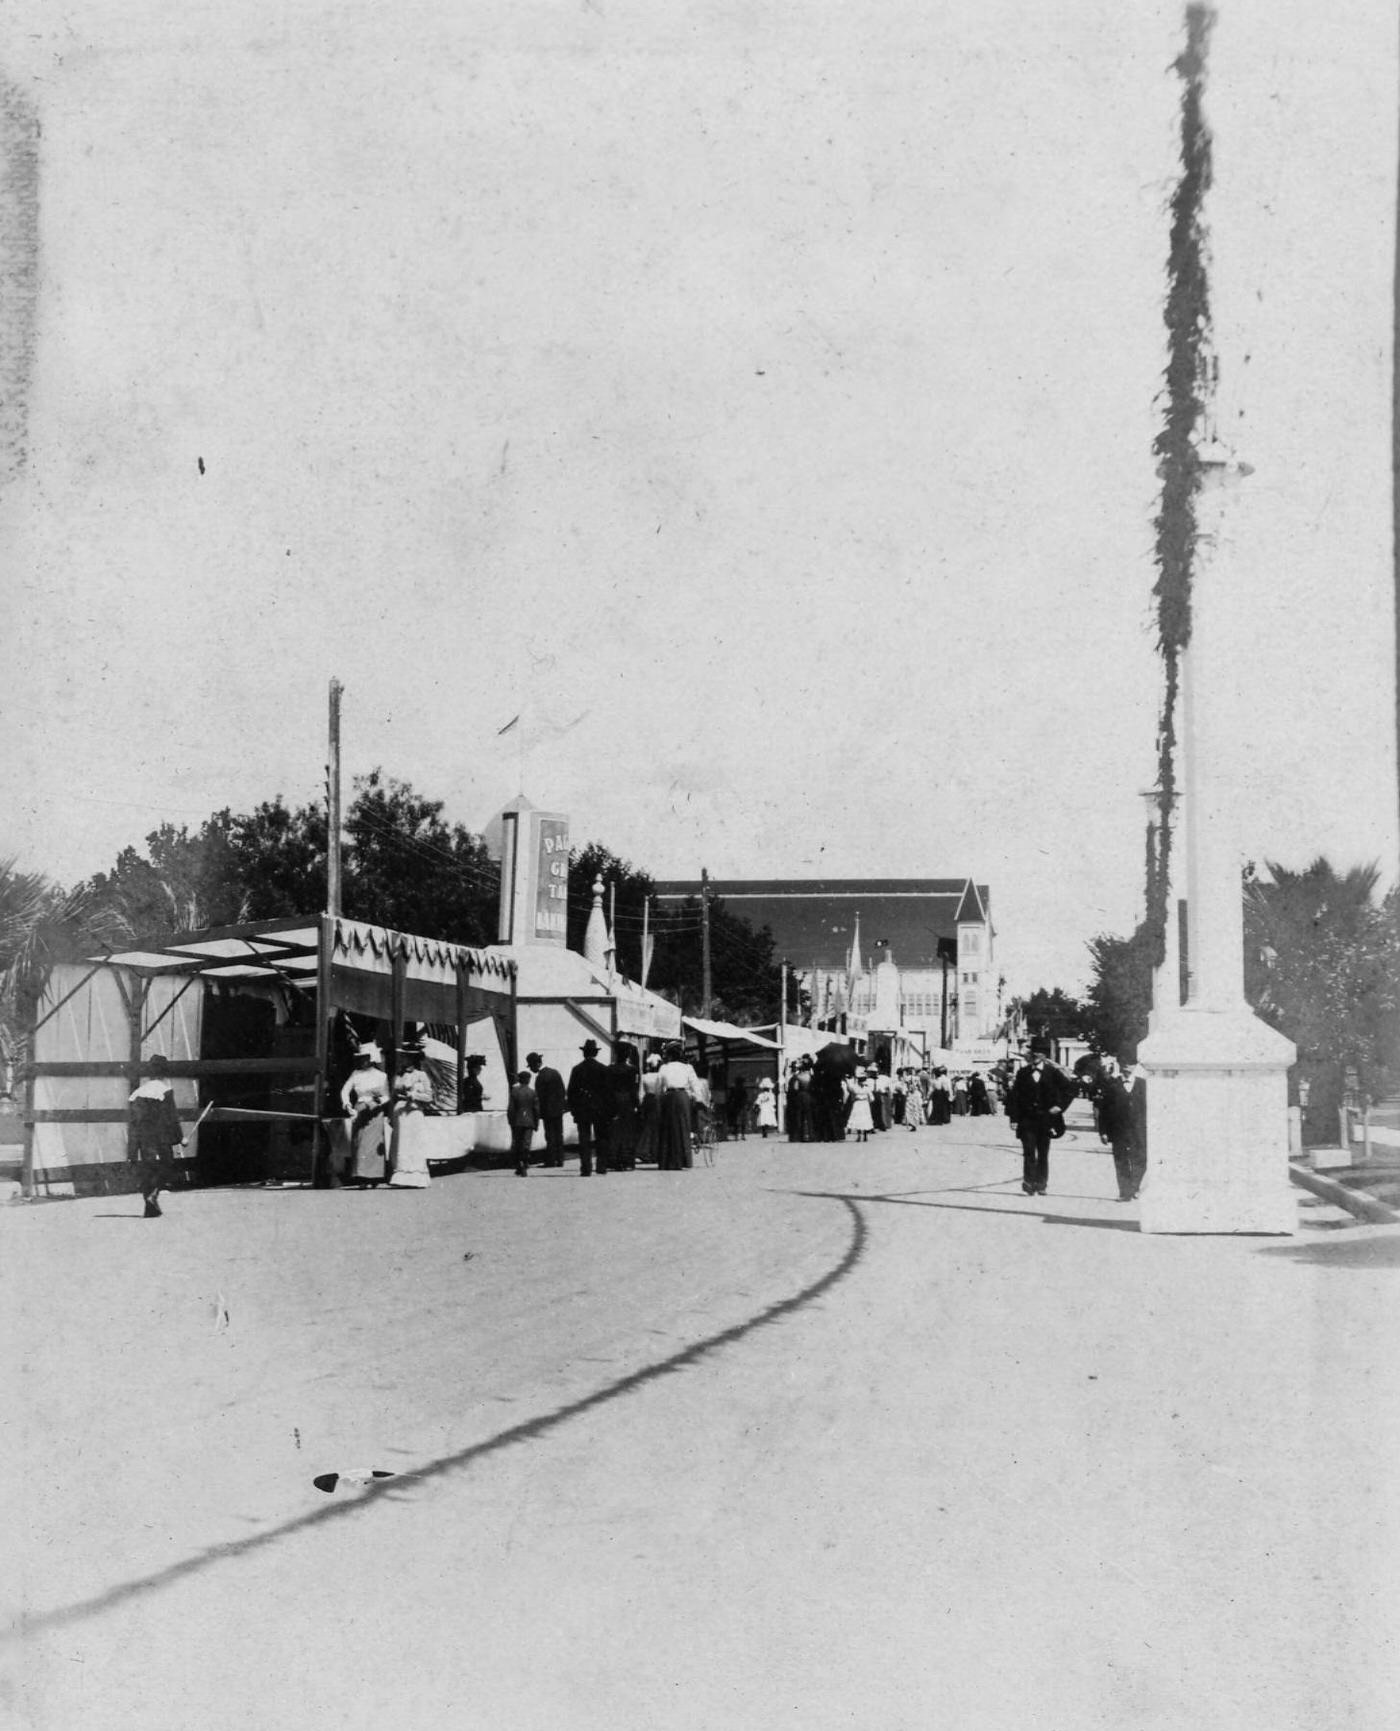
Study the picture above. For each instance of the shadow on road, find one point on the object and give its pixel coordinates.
(1342, 1253)
(911, 1199)
(396, 1488)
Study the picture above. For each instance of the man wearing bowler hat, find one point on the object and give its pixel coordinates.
(590, 1098)
(1036, 1105)
(553, 1103)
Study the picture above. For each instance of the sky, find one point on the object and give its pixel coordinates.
(756, 400)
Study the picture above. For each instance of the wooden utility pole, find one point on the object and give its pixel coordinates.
(333, 806)
(706, 981)
(325, 948)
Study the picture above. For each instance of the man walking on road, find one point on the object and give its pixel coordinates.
(1036, 1106)
(590, 1096)
(553, 1102)
(1120, 1104)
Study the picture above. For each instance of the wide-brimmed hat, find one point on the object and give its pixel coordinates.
(369, 1053)
(475, 1060)
(589, 1048)
(654, 1061)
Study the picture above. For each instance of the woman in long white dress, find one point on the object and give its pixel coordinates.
(364, 1098)
(767, 1107)
(861, 1119)
(413, 1096)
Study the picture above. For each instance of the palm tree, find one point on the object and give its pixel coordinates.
(1320, 966)
(40, 924)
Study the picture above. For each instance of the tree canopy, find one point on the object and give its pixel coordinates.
(405, 866)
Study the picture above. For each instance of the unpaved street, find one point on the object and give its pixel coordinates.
(823, 1436)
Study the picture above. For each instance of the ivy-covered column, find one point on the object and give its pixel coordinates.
(1217, 1076)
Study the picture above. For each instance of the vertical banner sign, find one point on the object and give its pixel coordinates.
(552, 881)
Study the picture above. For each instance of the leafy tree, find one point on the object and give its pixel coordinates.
(1119, 998)
(280, 858)
(587, 865)
(183, 881)
(408, 869)
(1053, 1012)
(403, 866)
(746, 977)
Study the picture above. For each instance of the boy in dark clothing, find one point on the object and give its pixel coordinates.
(155, 1132)
(522, 1114)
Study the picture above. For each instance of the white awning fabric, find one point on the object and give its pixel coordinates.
(728, 1031)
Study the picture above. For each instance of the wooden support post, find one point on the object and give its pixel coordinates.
(780, 1105)
(321, 1175)
(514, 1040)
(135, 999)
(398, 972)
(461, 1034)
(27, 1169)
(333, 806)
(706, 981)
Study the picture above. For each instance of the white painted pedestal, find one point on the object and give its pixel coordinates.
(1217, 1124)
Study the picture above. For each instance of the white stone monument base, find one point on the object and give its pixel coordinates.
(1217, 1124)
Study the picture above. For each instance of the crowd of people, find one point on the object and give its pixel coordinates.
(823, 1104)
(627, 1113)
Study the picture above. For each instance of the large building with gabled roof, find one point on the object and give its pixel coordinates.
(834, 931)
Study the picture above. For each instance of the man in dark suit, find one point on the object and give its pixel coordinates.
(1122, 1125)
(553, 1103)
(1036, 1106)
(590, 1097)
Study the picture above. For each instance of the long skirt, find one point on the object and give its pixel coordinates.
(410, 1145)
(626, 1132)
(938, 1107)
(799, 1116)
(367, 1162)
(648, 1126)
(674, 1151)
(767, 1112)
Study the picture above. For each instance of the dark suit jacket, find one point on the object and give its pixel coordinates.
(549, 1091)
(523, 1108)
(591, 1092)
(1137, 1106)
(1032, 1100)
(1115, 1110)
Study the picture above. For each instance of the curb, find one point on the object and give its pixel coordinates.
(1355, 1202)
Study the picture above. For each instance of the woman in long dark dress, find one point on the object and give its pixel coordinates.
(679, 1089)
(940, 1098)
(626, 1124)
(649, 1122)
(799, 1102)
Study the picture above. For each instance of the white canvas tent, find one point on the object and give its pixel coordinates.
(100, 1018)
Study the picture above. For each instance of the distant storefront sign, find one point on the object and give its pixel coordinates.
(552, 880)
